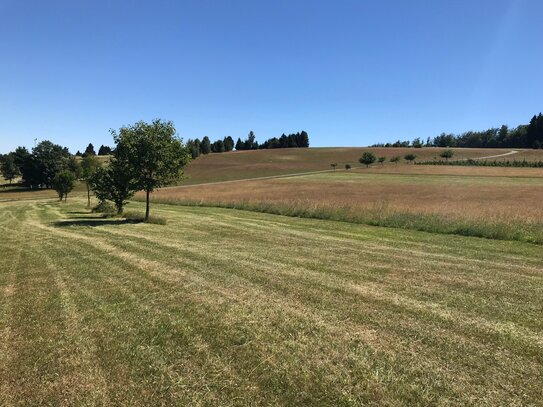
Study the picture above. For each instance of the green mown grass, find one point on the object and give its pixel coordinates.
(381, 215)
(229, 307)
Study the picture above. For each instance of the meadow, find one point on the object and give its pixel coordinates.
(229, 307)
(229, 302)
(503, 203)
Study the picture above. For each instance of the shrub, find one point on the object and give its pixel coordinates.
(395, 159)
(106, 208)
(140, 217)
(347, 166)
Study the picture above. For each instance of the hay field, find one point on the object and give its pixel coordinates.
(227, 307)
(502, 203)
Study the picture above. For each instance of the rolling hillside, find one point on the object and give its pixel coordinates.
(263, 163)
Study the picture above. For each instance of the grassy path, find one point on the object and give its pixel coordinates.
(225, 307)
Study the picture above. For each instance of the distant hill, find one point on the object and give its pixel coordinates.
(262, 163)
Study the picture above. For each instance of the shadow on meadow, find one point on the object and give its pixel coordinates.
(93, 222)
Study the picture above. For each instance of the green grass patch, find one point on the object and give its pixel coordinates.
(229, 307)
(513, 228)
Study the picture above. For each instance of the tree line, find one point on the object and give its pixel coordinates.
(146, 156)
(199, 147)
(103, 150)
(524, 136)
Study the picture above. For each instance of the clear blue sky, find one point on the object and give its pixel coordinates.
(350, 73)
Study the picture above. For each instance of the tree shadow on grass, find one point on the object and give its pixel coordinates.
(93, 222)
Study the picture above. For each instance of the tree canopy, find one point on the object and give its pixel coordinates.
(152, 154)
(367, 158)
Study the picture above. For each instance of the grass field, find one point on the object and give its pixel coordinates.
(226, 307)
(500, 203)
(263, 163)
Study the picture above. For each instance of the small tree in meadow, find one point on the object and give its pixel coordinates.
(8, 167)
(333, 165)
(446, 154)
(395, 159)
(64, 183)
(114, 184)
(381, 160)
(347, 166)
(89, 165)
(367, 158)
(410, 157)
(154, 156)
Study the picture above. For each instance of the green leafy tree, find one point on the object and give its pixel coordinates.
(381, 160)
(239, 145)
(205, 145)
(153, 154)
(446, 154)
(218, 147)
(64, 183)
(347, 166)
(104, 150)
(9, 169)
(410, 157)
(250, 143)
(367, 158)
(395, 159)
(228, 143)
(114, 183)
(45, 162)
(89, 165)
(417, 143)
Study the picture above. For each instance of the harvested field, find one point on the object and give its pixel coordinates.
(226, 307)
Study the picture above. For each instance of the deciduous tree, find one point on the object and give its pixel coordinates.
(367, 158)
(153, 155)
(89, 165)
(64, 183)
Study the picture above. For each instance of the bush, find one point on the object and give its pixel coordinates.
(106, 208)
(140, 217)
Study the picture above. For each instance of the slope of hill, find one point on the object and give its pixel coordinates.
(262, 163)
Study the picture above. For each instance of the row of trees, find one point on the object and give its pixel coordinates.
(39, 167)
(198, 147)
(369, 158)
(146, 156)
(524, 136)
(103, 150)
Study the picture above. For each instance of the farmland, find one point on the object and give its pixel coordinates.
(264, 163)
(226, 306)
(487, 202)
(230, 307)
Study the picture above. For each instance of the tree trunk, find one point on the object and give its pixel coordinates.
(88, 196)
(65, 197)
(147, 206)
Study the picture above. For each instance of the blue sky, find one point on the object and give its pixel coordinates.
(351, 73)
